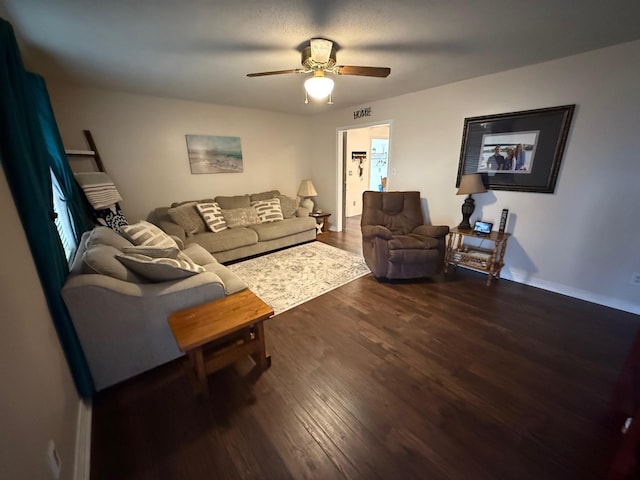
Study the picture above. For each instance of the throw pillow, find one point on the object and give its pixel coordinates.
(145, 233)
(111, 217)
(212, 215)
(188, 218)
(101, 259)
(288, 206)
(153, 252)
(268, 210)
(241, 217)
(256, 197)
(105, 236)
(160, 269)
(236, 201)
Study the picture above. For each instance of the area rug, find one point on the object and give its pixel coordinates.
(289, 277)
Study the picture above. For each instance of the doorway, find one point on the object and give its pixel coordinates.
(364, 161)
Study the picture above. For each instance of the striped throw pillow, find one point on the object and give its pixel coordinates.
(212, 215)
(147, 234)
(160, 269)
(268, 210)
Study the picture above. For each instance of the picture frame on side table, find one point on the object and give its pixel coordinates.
(518, 151)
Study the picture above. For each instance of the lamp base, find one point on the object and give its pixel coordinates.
(307, 203)
(468, 207)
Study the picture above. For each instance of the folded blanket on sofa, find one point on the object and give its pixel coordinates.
(99, 189)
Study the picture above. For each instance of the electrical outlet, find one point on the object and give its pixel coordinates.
(635, 278)
(55, 464)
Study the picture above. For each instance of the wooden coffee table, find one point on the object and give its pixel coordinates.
(219, 333)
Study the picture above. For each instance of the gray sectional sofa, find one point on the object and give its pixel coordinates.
(123, 287)
(121, 316)
(182, 221)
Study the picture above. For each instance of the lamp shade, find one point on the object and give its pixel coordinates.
(471, 183)
(307, 189)
(318, 86)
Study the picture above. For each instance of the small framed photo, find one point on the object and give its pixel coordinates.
(518, 151)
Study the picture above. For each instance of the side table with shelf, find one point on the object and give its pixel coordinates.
(487, 260)
(322, 221)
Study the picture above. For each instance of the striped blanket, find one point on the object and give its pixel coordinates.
(99, 189)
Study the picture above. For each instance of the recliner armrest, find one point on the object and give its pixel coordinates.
(433, 231)
(372, 231)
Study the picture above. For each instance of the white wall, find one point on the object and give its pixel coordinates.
(38, 401)
(583, 239)
(141, 140)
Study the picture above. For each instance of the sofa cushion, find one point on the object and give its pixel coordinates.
(268, 210)
(153, 252)
(241, 217)
(184, 202)
(288, 206)
(198, 254)
(225, 240)
(212, 215)
(415, 242)
(106, 236)
(237, 201)
(232, 282)
(256, 197)
(101, 259)
(145, 233)
(161, 269)
(188, 218)
(290, 226)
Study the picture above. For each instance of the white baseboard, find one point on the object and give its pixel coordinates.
(82, 467)
(526, 279)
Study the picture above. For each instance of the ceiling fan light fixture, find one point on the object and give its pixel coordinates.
(318, 86)
(320, 49)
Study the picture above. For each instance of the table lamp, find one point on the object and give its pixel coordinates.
(469, 184)
(306, 191)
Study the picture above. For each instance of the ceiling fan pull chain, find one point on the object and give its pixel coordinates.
(330, 102)
(306, 97)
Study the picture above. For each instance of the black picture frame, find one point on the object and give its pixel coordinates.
(541, 134)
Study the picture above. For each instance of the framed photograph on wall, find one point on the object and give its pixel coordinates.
(518, 151)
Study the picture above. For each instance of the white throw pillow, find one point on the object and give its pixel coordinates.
(212, 215)
(147, 234)
(268, 210)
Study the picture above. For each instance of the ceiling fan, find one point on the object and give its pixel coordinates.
(320, 58)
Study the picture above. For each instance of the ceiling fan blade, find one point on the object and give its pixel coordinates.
(363, 71)
(276, 72)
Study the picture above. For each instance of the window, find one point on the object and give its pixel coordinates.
(63, 221)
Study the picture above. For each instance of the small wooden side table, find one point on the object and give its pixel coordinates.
(322, 221)
(489, 261)
(219, 333)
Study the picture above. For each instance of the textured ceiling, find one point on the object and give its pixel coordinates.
(202, 50)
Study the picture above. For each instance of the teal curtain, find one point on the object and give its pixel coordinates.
(26, 162)
(57, 159)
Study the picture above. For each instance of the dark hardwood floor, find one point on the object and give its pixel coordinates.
(435, 379)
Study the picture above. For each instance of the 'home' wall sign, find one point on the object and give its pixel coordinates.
(363, 112)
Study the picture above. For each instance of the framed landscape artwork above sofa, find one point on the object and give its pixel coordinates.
(213, 154)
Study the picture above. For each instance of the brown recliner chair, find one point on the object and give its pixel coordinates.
(395, 242)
